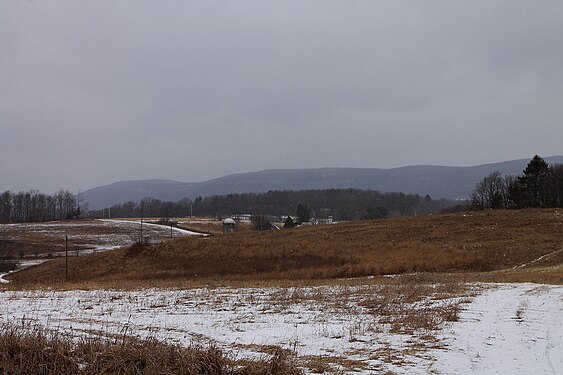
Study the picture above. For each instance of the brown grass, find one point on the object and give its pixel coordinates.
(413, 305)
(30, 351)
(487, 244)
(27, 240)
(542, 275)
(420, 303)
(417, 306)
(212, 226)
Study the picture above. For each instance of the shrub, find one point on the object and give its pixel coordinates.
(8, 265)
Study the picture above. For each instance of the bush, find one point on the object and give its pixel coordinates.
(289, 223)
(8, 265)
(261, 222)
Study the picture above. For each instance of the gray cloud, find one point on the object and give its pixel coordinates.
(97, 91)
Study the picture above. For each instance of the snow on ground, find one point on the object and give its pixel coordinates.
(97, 235)
(22, 264)
(84, 238)
(509, 328)
(160, 227)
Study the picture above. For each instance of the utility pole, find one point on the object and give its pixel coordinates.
(78, 213)
(66, 257)
(141, 224)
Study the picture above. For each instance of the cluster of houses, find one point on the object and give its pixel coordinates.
(312, 221)
(230, 223)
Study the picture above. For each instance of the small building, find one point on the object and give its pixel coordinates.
(242, 217)
(321, 221)
(229, 225)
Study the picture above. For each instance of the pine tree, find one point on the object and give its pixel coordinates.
(533, 182)
(288, 223)
(303, 213)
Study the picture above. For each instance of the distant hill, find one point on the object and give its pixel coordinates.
(436, 181)
(123, 191)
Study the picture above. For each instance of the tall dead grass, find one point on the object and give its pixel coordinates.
(470, 242)
(35, 351)
(414, 304)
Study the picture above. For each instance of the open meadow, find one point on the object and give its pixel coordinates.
(28, 244)
(475, 292)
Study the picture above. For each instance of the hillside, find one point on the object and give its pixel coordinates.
(514, 242)
(124, 191)
(436, 181)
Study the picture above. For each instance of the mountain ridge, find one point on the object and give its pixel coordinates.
(450, 182)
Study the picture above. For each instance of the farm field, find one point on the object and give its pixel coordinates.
(30, 244)
(448, 294)
(411, 328)
(524, 245)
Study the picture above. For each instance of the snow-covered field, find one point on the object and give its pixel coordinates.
(508, 329)
(155, 227)
(503, 329)
(84, 237)
(93, 235)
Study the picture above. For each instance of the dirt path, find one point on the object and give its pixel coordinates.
(509, 329)
(543, 257)
(22, 264)
(181, 231)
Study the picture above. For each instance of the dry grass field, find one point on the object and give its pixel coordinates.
(522, 245)
(388, 296)
(412, 324)
(35, 351)
(28, 240)
(286, 327)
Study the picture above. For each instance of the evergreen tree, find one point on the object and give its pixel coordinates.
(376, 213)
(533, 182)
(303, 213)
(288, 223)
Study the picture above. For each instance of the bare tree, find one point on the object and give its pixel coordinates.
(554, 186)
(260, 222)
(490, 192)
(6, 206)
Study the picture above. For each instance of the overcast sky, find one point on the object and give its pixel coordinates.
(92, 92)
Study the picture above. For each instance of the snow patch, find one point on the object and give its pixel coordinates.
(508, 328)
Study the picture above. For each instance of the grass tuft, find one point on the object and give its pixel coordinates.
(35, 351)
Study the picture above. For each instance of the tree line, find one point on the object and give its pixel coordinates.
(341, 204)
(33, 206)
(147, 207)
(540, 185)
